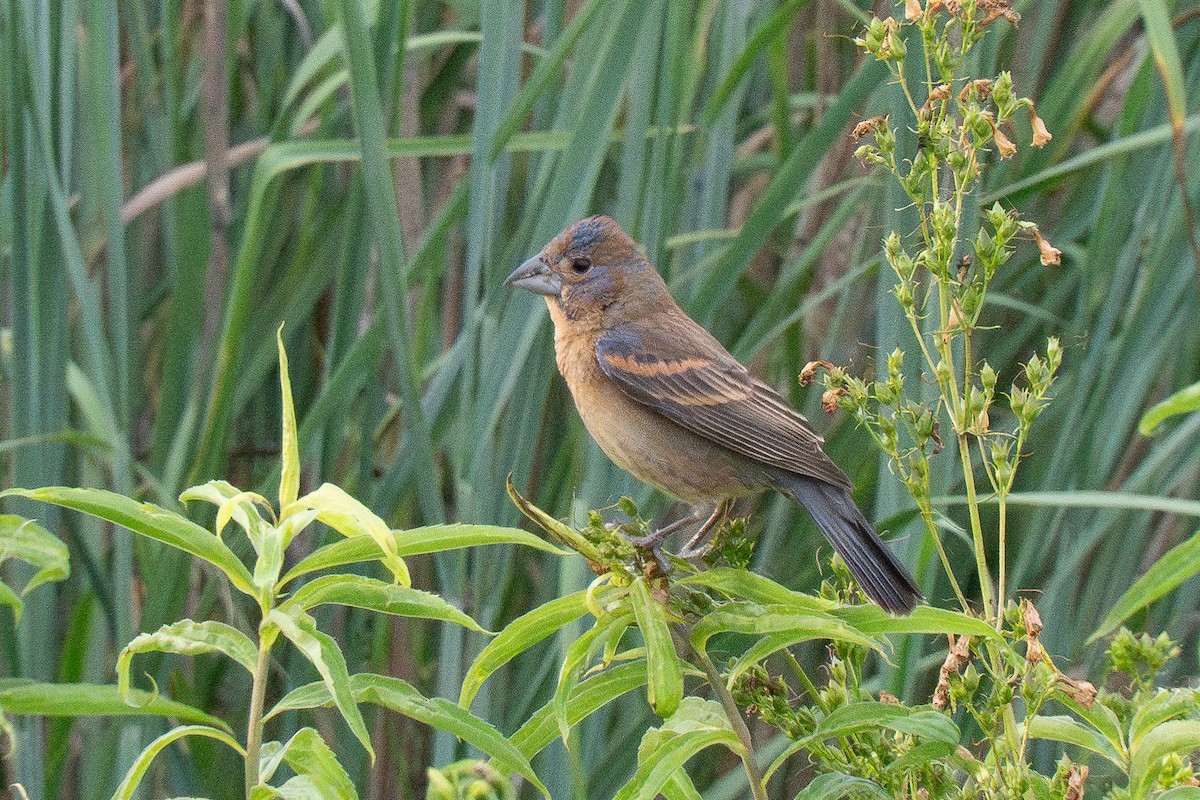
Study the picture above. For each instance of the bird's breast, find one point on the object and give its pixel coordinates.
(646, 444)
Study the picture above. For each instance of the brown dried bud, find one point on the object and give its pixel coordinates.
(1041, 134)
(941, 92)
(866, 126)
(982, 87)
(829, 400)
(1051, 255)
(912, 10)
(994, 9)
(1080, 691)
(1076, 779)
(1031, 618)
(956, 659)
(810, 371)
(889, 698)
(1004, 145)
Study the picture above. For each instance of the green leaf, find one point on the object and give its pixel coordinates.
(349, 517)
(150, 521)
(375, 595)
(1070, 731)
(25, 539)
(773, 27)
(874, 621)
(189, 638)
(416, 541)
(1177, 565)
(577, 657)
(289, 455)
(11, 599)
(1184, 401)
(309, 756)
(1180, 793)
(763, 620)
(129, 785)
(561, 532)
(925, 723)
(740, 584)
(585, 697)
(518, 636)
(18, 696)
(669, 755)
(232, 503)
(323, 652)
(1146, 755)
(718, 278)
(400, 696)
(835, 785)
(663, 667)
(1161, 35)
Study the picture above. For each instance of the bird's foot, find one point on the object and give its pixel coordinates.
(701, 543)
(653, 542)
(696, 546)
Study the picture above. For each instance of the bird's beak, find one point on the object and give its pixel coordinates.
(535, 276)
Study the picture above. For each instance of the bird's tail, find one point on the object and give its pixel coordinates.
(877, 571)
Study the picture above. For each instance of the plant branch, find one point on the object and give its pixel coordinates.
(737, 723)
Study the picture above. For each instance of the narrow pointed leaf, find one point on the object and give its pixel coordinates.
(150, 521)
(25, 539)
(518, 636)
(322, 652)
(1175, 566)
(1180, 736)
(188, 638)
(349, 517)
(1185, 401)
(836, 785)
(586, 697)
(129, 785)
(18, 696)
(416, 541)
(232, 503)
(663, 668)
(375, 595)
(309, 756)
(403, 698)
(1068, 730)
(653, 773)
(740, 584)
(289, 455)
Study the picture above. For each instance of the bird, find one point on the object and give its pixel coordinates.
(669, 404)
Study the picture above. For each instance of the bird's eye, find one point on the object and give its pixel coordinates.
(580, 265)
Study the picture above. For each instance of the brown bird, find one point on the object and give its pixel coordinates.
(670, 405)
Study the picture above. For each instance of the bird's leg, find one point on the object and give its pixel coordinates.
(694, 548)
(654, 540)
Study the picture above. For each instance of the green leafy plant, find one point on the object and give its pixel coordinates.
(285, 602)
(998, 688)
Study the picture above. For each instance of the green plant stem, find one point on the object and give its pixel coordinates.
(254, 728)
(931, 526)
(985, 579)
(1002, 558)
(737, 723)
(805, 681)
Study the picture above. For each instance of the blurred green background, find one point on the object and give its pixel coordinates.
(180, 177)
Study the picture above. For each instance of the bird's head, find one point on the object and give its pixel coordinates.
(593, 271)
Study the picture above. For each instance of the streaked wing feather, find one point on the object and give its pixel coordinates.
(698, 385)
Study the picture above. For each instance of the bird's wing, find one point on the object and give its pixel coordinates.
(684, 374)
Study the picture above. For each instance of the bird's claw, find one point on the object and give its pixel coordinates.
(700, 544)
